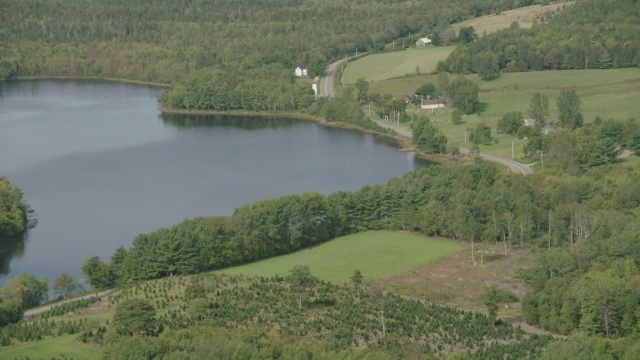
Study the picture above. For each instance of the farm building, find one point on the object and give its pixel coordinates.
(423, 41)
(431, 104)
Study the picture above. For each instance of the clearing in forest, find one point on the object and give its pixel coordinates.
(525, 17)
(377, 254)
(387, 65)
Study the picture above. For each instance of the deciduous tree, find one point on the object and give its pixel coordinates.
(356, 279)
(569, 112)
(300, 279)
(135, 317)
(539, 108)
(65, 285)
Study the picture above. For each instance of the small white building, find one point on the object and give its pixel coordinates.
(300, 71)
(432, 104)
(423, 41)
(530, 122)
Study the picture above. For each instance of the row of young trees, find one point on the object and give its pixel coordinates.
(590, 34)
(333, 321)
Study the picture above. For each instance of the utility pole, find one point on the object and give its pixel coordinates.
(542, 158)
(465, 136)
(512, 157)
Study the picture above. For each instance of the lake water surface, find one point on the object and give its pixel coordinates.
(99, 165)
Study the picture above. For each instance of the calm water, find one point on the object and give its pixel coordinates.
(100, 165)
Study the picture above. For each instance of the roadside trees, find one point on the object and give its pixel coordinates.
(510, 122)
(65, 285)
(98, 273)
(363, 89)
(26, 290)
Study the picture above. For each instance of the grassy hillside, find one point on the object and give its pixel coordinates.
(377, 254)
(609, 93)
(65, 345)
(525, 17)
(394, 64)
(230, 318)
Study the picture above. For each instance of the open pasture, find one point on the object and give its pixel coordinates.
(377, 254)
(393, 64)
(608, 94)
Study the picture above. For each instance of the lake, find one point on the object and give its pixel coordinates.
(99, 165)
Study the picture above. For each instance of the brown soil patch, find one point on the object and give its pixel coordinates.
(625, 154)
(525, 17)
(455, 281)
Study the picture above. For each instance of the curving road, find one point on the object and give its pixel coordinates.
(326, 81)
(40, 309)
(513, 165)
(326, 89)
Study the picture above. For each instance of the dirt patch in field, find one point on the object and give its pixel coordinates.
(625, 154)
(455, 281)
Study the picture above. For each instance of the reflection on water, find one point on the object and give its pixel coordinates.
(11, 248)
(242, 122)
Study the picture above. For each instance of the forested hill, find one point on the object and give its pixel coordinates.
(590, 34)
(244, 48)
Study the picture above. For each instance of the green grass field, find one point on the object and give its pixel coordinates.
(65, 346)
(377, 254)
(389, 65)
(610, 93)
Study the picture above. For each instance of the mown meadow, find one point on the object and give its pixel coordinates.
(377, 254)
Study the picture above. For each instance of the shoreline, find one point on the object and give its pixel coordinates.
(402, 143)
(90, 78)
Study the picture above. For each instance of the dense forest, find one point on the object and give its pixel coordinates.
(590, 34)
(217, 54)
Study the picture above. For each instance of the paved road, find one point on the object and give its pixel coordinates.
(326, 89)
(40, 309)
(326, 81)
(513, 165)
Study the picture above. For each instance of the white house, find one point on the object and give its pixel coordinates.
(431, 104)
(423, 41)
(301, 71)
(530, 122)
